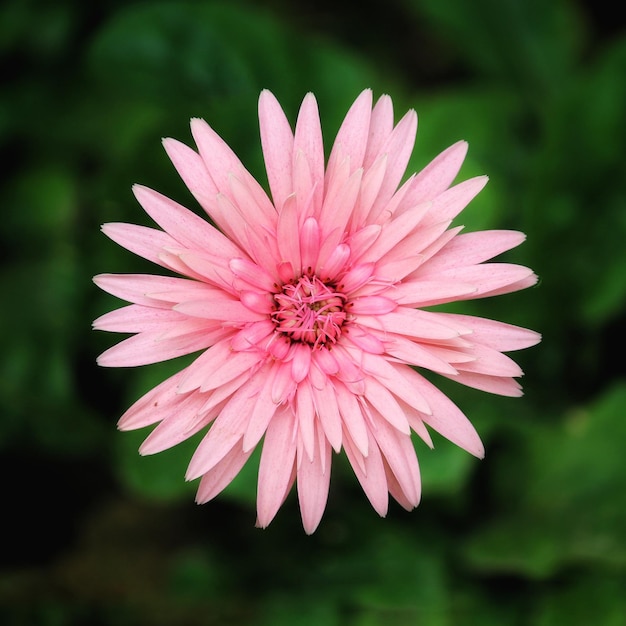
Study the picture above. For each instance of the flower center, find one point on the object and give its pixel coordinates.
(310, 311)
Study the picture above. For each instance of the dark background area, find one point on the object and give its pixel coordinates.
(95, 534)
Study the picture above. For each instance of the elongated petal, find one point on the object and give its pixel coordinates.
(140, 240)
(226, 432)
(351, 140)
(496, 335)
(152, 347)
(152, 291)
(438, 175)
(137, 319)
(220, 476)
(399, 453)
(184, 420)
(153, 406)
(277, 141)
(370, 472)
(308, 142)
(448, 420)
(276, 466)
(471, 248)
(313, 485)
(398, 146)
(186, 227)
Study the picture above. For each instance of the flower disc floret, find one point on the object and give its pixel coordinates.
(310, 311)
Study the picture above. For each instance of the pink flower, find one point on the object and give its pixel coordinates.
(309, 309)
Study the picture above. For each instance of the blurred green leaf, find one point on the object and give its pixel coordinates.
(571, 503)
(486, 119)
(529, 43)
(160, 476)
(585, 599)
(444, 470)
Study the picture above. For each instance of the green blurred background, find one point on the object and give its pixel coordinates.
(94, 534)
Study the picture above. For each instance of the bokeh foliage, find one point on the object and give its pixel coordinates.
(534, 534)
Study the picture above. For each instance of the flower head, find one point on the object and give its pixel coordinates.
(308, 309)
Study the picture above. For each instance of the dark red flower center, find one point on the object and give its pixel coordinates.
(310, 311)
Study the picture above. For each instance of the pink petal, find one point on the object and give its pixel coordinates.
(253, 274)
(183, 421)
(414, 250)
(397, 491)
(305, 414)
(438, 175)
(313, 483)
(329, 265)
(496, 335)
(399, 147)
(523, 283)
(399, 453)
(448, 420)
(308, 142)
(327, 410)
(288, 233)
(301, 362)
(203, 266)
(136, 319)
(473, 248)
(262, 413)
(410, 323)
(262, 303)
(222, 309)
(253, 336)
(276, 465)
(399, 379)
(417, 424)
(140, 240)
(372, 305)
(153, 406)
(309, 243)
(220, 476)
(277, 142)
(417, 354)
(488, 277)
(190, 230)
(325, 360)
(193, 172)
(218, 157)
(370, 187)
(381, 126)
(352, 417)
(492, 384)
(238, 363)
(226, 432)
(150, 290)
(251, 200)
(490, 362)
(370, 473)
(429, 292)
(356, 277)
(394, 231)
(284, 385)
(364, 339)
(339, 201)
(152, 347)
(451, 202)
(351, 140)
(384, 402)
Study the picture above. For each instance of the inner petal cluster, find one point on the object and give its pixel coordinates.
(310, 311)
